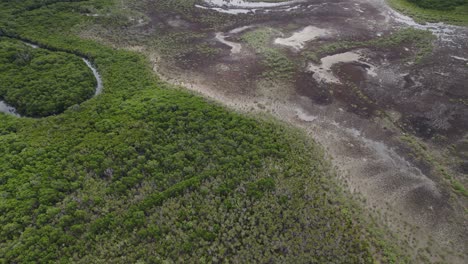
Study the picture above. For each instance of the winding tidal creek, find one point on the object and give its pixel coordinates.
(8, 109)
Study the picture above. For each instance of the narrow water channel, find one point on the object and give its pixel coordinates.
(7, 109)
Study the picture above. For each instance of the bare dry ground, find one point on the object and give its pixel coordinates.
(386, 97)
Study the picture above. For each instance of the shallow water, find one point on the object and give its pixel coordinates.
(304, 116)
(96, 74)
(246, 4)
(460, 58)
(240, 29)
(4, 108)
(228, 11)
(235, 47)
(323, 72)
(299, 38)
(243, 7)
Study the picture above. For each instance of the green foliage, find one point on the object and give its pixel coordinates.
(454, 12)
(149, 173)
(258, 189)
(277, 64)
(40, 83)
(439, 4)
(458, 187)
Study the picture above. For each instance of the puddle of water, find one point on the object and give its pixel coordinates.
(329, 61)
(31, 45)
(299, 38)
(302, 115)
(244, 7)
(460, 58)
(235, 47)
(371, 69)
(4, 108)
(240, 29)
(227, 11)
(246, 4)
(173, 22)
(323, 72)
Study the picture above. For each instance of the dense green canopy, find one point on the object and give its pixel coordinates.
(439, 4)
(38, 82)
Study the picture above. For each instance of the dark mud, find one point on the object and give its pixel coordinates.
(306, 85)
